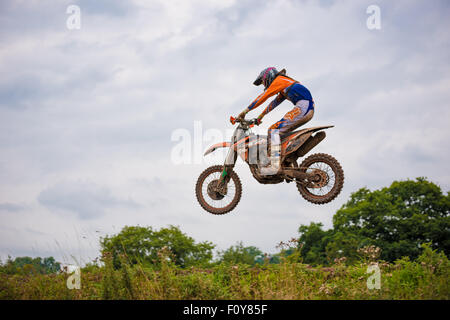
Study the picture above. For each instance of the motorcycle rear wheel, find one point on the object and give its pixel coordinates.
(331, 178)
(210, 201)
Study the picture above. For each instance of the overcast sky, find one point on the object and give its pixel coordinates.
(87, 115)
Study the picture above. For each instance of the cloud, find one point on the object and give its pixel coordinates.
(86, 115)
(87, 200)
(11, 207)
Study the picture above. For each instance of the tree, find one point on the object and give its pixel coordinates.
(142, 244)
(313, 241)
(50, 265)
(28, 265)
(240, 254)
(398, 219)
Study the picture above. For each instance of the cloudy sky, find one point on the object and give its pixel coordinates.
(87, 116)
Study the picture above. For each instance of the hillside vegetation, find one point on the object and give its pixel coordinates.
(399, 235)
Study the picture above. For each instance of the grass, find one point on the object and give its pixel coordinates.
(425, 278)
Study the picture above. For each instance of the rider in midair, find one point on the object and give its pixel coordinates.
(278, 83)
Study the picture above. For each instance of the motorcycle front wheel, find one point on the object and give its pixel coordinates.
(212, 201)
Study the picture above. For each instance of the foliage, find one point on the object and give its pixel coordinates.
(314, 241)
(239, 254)
(290, 251)
(403, 229)
(142, 244)
(28, 265)
(425, 278)
(398, 219)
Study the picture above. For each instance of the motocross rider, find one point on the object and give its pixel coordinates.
(278, 83)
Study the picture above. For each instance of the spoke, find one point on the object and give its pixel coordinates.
(228, 197)
(331, 178)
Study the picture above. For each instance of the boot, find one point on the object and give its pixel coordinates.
(273, 155)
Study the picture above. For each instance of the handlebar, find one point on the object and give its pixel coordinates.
(249, 123)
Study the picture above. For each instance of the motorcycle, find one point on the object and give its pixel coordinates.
(319, 177)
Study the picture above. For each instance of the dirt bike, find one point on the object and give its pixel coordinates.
(319, 177)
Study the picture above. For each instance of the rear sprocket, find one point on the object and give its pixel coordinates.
(328, 182)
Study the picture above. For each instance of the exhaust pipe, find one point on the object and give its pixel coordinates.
(311, 143)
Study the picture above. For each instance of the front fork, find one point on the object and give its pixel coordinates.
(224, 178)
(228, 166)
